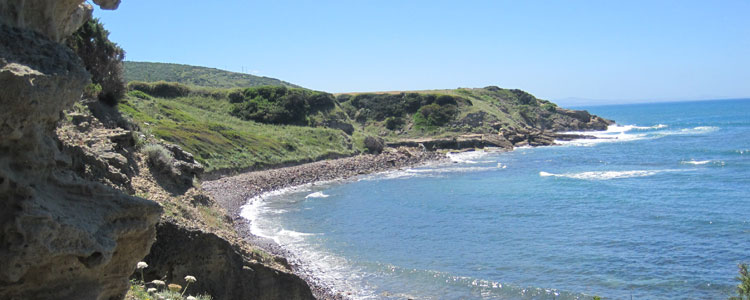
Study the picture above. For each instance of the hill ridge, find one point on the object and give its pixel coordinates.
(195, 75)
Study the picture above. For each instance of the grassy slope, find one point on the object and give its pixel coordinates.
(501, 105)
(195, 76)
(202, 125)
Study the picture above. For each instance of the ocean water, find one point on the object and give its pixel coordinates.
(657, 208)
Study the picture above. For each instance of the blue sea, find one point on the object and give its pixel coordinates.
(657, 208)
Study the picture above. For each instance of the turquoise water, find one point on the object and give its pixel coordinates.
(660, 209)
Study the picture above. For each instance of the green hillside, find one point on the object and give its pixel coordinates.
(195, 76)
(273, 125)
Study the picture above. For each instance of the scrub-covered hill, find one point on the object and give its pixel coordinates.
(275, 125)
(194, 75)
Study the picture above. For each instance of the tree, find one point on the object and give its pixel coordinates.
(102, 58)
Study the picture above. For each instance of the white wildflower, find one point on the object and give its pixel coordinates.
(158, 282)
(151, 290)
(142, 265)
(190, 279)
(191, 298)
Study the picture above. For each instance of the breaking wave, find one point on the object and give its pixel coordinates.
(627, 133)
(316, 195)
(607, 175)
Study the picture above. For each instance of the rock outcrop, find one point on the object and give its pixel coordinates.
(224, 270)
(61, 236)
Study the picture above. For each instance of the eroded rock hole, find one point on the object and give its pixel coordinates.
(92, 260)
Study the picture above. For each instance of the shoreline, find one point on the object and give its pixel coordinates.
(233, 192)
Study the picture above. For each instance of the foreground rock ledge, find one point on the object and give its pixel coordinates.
(61, 237)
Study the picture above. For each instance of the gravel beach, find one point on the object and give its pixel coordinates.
(233, 192)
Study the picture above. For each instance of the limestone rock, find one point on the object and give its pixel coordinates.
(223, 270)
(56, 19)
(61, 236)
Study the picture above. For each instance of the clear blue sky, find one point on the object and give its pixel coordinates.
(611, 50)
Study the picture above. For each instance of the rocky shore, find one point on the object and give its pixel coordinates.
(233, 192)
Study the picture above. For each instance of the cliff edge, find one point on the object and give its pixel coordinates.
(61, 236)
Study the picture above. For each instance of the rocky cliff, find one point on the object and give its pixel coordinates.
(61, 236)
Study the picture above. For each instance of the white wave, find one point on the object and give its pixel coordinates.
(626, 133)
(607, 175)
(435, 172)
(691, 131)
(316, 195)
(466, 157)
(695, 162)
(658, 126)
(252, 211)
(614, 133)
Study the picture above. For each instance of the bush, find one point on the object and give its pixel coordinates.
(139, 95)
(160, 89)
(393, 123)
(169, 90)
(743, 288)
(158, 157)
(381, 106)
(524, 97)
(435, 115)
(374, 145)
(102, 58)
(235, 96)
(549, 106)
(279, 105)
(92, 91)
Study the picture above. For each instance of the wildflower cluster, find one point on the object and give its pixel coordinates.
(162, 290)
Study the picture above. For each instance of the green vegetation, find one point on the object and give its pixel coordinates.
(195, 76)
(279, 104)
(102, 58)
(743, 288)
(259, 126)
(201, 122)
(158, 157)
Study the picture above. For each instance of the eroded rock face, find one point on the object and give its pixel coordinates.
(61, 237)
(222, 269)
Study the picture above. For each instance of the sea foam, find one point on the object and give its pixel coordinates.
(316, 195)
(607, 175)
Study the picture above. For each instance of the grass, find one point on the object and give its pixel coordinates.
(201, 122)
(195, 76)
(202, 126)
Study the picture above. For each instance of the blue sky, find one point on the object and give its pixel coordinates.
(624, 51)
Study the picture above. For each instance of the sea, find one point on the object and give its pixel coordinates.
(657, 207)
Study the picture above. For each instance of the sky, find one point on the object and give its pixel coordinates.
(579, 52)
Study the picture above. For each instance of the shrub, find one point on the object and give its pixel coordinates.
(393, 123)
(158, 157)
(549, 106)
(102, 58)
(169, 90)
(524, 97)
(160, 89)
(436, 115)
(139, 86)
(235, 96)
(280, 105)
(743, 288)
(92, 91)
(139, 95)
